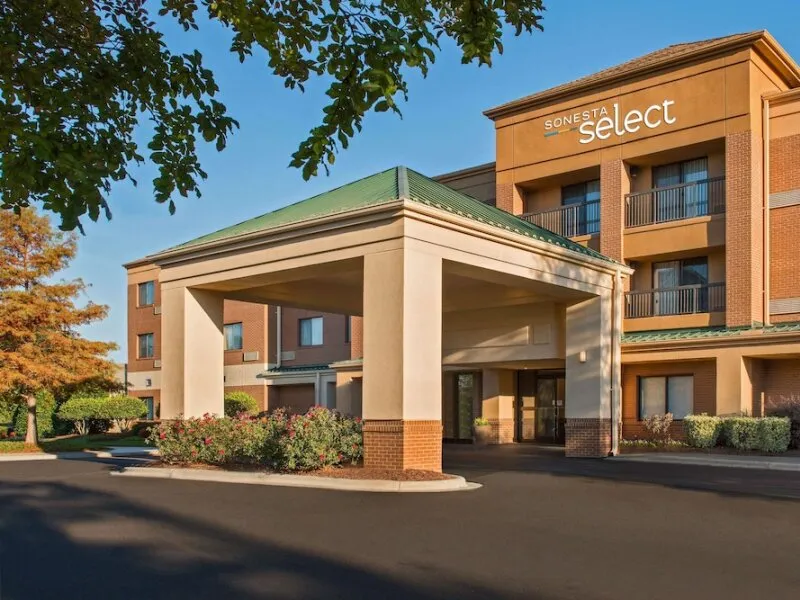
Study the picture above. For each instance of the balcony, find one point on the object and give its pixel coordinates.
(675, 202)
(569, 221)
(683, 300)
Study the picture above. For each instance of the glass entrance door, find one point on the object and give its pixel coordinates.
(541, 404)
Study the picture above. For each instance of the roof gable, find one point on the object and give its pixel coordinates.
(398, 183)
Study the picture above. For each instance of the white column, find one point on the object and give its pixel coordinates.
(192, 346)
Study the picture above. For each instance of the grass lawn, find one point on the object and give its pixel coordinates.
(71, 443)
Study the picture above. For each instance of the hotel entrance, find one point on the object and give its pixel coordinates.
(461, 403)
(541, 406)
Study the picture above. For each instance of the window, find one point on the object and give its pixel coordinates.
(233, 336)
(683, 285)
(348, 329)
(682, 202)
(584, 215)
(660, 395)
(150, 404)
(147, 293)
(311, 331)
(146, 345)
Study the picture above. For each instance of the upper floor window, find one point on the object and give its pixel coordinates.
(147, 293)
(311, 331)
(233, 336)
(348, 328)
(146, 349)
(677, 173)
(581, 212)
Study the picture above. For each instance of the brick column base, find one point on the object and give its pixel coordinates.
(502, 431)
(588, 437)
(401, 445)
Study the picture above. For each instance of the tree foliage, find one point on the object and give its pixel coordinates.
(78, 76)
(40, 348)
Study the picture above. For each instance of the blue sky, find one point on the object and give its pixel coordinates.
(442, 129)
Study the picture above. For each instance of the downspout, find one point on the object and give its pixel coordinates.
(616, 362)
(279, 334)
(766, 215)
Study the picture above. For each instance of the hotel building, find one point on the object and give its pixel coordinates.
(640, 263)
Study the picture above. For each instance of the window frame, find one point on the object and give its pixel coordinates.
(681, 262)
(152, 354)
(151, 407)
(666, 378)
(681, 175)
(139, 288)
(241, 336)
(300, 332)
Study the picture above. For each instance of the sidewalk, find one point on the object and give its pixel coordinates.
(113, 452)
(774, 463)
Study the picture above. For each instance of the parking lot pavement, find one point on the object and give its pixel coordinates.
(541, 527)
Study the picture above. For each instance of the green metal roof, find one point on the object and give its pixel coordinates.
(298, 368)
(668, 335)
(388, 186)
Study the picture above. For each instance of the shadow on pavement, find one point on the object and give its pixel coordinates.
(61, 541)
(475, 462)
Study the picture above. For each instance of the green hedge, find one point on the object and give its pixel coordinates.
(240, 403)
(767, 434)
(45, 411)
(702, 431)
(84, 412)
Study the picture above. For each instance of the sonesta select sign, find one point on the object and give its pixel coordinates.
(598, 124)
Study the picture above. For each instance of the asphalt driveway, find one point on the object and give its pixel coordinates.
(542, 527)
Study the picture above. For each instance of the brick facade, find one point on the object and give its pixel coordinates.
(705, 392)
(502, 431)
(356, 337)
(784, 164)
(781, 383)
(784, 235)
(141, 320)
(614, 184)
(398, 444)
(334, 346)
(505, 197)
(744, 228)
(588, 438)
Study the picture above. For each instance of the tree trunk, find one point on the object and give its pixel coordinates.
(32, 434)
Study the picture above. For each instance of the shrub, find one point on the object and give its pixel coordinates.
(237, 403)
(314, 440)
(785, 406)
(121, 410)
(774, 434)
(45, 411)
(702, 431)
(767, 434)
(480, 422)
(143, 429)
(658, 426)
(80, 410)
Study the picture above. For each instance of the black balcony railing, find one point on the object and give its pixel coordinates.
(570, 221)
(683, 300)
(676, 202)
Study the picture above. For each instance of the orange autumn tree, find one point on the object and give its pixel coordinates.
(40, 348)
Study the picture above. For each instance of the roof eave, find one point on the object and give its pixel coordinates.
(768, 45)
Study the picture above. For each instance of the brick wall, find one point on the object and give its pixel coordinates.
(614, 184)
(334, 346)
(590, 438)
(502, 431)
(253, 318)
(744, 228)
(357, 337)
(785, 234)
(705, 392)
(142, 319)
(259, 392)
(784, 164)
(781, 383)
(505, 197)
(398, 445)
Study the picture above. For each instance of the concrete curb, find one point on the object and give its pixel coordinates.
(456, 484)
(733, 463)
(114, 452)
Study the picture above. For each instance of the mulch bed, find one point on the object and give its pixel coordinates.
(344, 472)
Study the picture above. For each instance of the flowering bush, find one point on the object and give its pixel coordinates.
(658, 426)
(317, 439)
